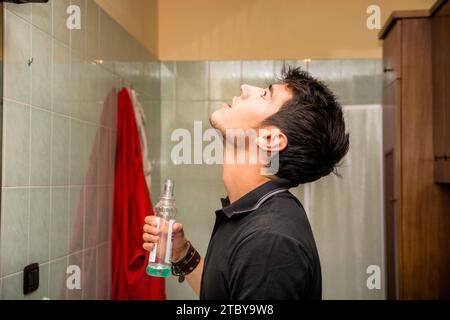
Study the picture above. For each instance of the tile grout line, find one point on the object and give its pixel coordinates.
(30, 137)
(3, 163)
(72, 54)
(52, 27)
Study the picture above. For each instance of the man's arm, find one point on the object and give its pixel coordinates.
(195, 277)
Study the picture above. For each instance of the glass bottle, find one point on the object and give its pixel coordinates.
(159, 264)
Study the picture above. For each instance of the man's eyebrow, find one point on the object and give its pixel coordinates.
(271, 90)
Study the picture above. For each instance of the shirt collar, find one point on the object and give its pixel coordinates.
(255, 198)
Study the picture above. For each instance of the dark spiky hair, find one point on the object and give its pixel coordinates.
(314, 124)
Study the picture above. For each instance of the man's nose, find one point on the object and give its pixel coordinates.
(247, 91)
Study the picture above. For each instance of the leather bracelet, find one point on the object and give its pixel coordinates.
(186, 265)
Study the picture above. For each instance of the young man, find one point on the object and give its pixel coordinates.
(262, 246)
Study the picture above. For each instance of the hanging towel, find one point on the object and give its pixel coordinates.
(141, 122)
(131, 205)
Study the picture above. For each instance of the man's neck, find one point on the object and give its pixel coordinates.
(240, 179)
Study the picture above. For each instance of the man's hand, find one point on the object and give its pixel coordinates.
(151, 236)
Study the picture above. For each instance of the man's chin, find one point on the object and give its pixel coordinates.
(215, 123)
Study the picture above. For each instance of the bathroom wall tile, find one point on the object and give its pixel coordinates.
(76, 218)
(92, 30)
(76, 93)
(78, 36)
(77, 149)
(359, 81)
(12, 288)
(74, 293)
(43, 290)
(40, 147)
(136, 73)
(91, 221)
(192, 80)
(60, 30)
(122, 50)
(106, 40)
(197, 218)
(41, 69)
(60, 150)
(153, 132)
(92, 111)
(90, 84)
(92, 152)
(59, 222)
(258, 73)
(58, 277)
(39, 235)
(16, 144)
(214, 106)
(104, 153)
(42, 16)
(168, 124)
(61, 79)
(106, 82)
(329, 72)
(23, 11)
(279, 64)
(224, 80)
(14, 232)
(117, 34)
(190, 111)
(168, 80)
(90, 274)
(151, 79)
(17, 73)
(378, 91)
(103, 271)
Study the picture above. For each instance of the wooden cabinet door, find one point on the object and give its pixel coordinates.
(392, 55)
(440, 27)
(392, 201)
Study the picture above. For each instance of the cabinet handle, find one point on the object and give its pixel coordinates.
(442, 158)
(388, 70)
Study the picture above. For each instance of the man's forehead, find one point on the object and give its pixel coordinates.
(281, 90)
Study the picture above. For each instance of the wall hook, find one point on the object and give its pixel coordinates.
(30, 61)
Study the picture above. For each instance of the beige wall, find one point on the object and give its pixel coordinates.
(271, 29)
(138, 17)
(254, 29)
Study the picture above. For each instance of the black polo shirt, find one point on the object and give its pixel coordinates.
(262, 247)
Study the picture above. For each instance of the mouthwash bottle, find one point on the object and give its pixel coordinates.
(159, 263)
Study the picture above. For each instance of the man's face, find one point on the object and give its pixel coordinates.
(253, 106)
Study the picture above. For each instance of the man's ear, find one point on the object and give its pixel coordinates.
(271, 140)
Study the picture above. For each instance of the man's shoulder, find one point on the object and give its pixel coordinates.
(283, 207)
(283, 217)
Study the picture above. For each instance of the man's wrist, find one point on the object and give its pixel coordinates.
(187, 264)
(178, 255)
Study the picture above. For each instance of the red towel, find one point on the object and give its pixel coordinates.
(131, 205)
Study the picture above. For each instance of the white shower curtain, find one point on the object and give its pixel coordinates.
(346, 213)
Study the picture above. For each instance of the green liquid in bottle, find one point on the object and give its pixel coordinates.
(159, 270)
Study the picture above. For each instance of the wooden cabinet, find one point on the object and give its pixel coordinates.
(440, 35)
(417, 210)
